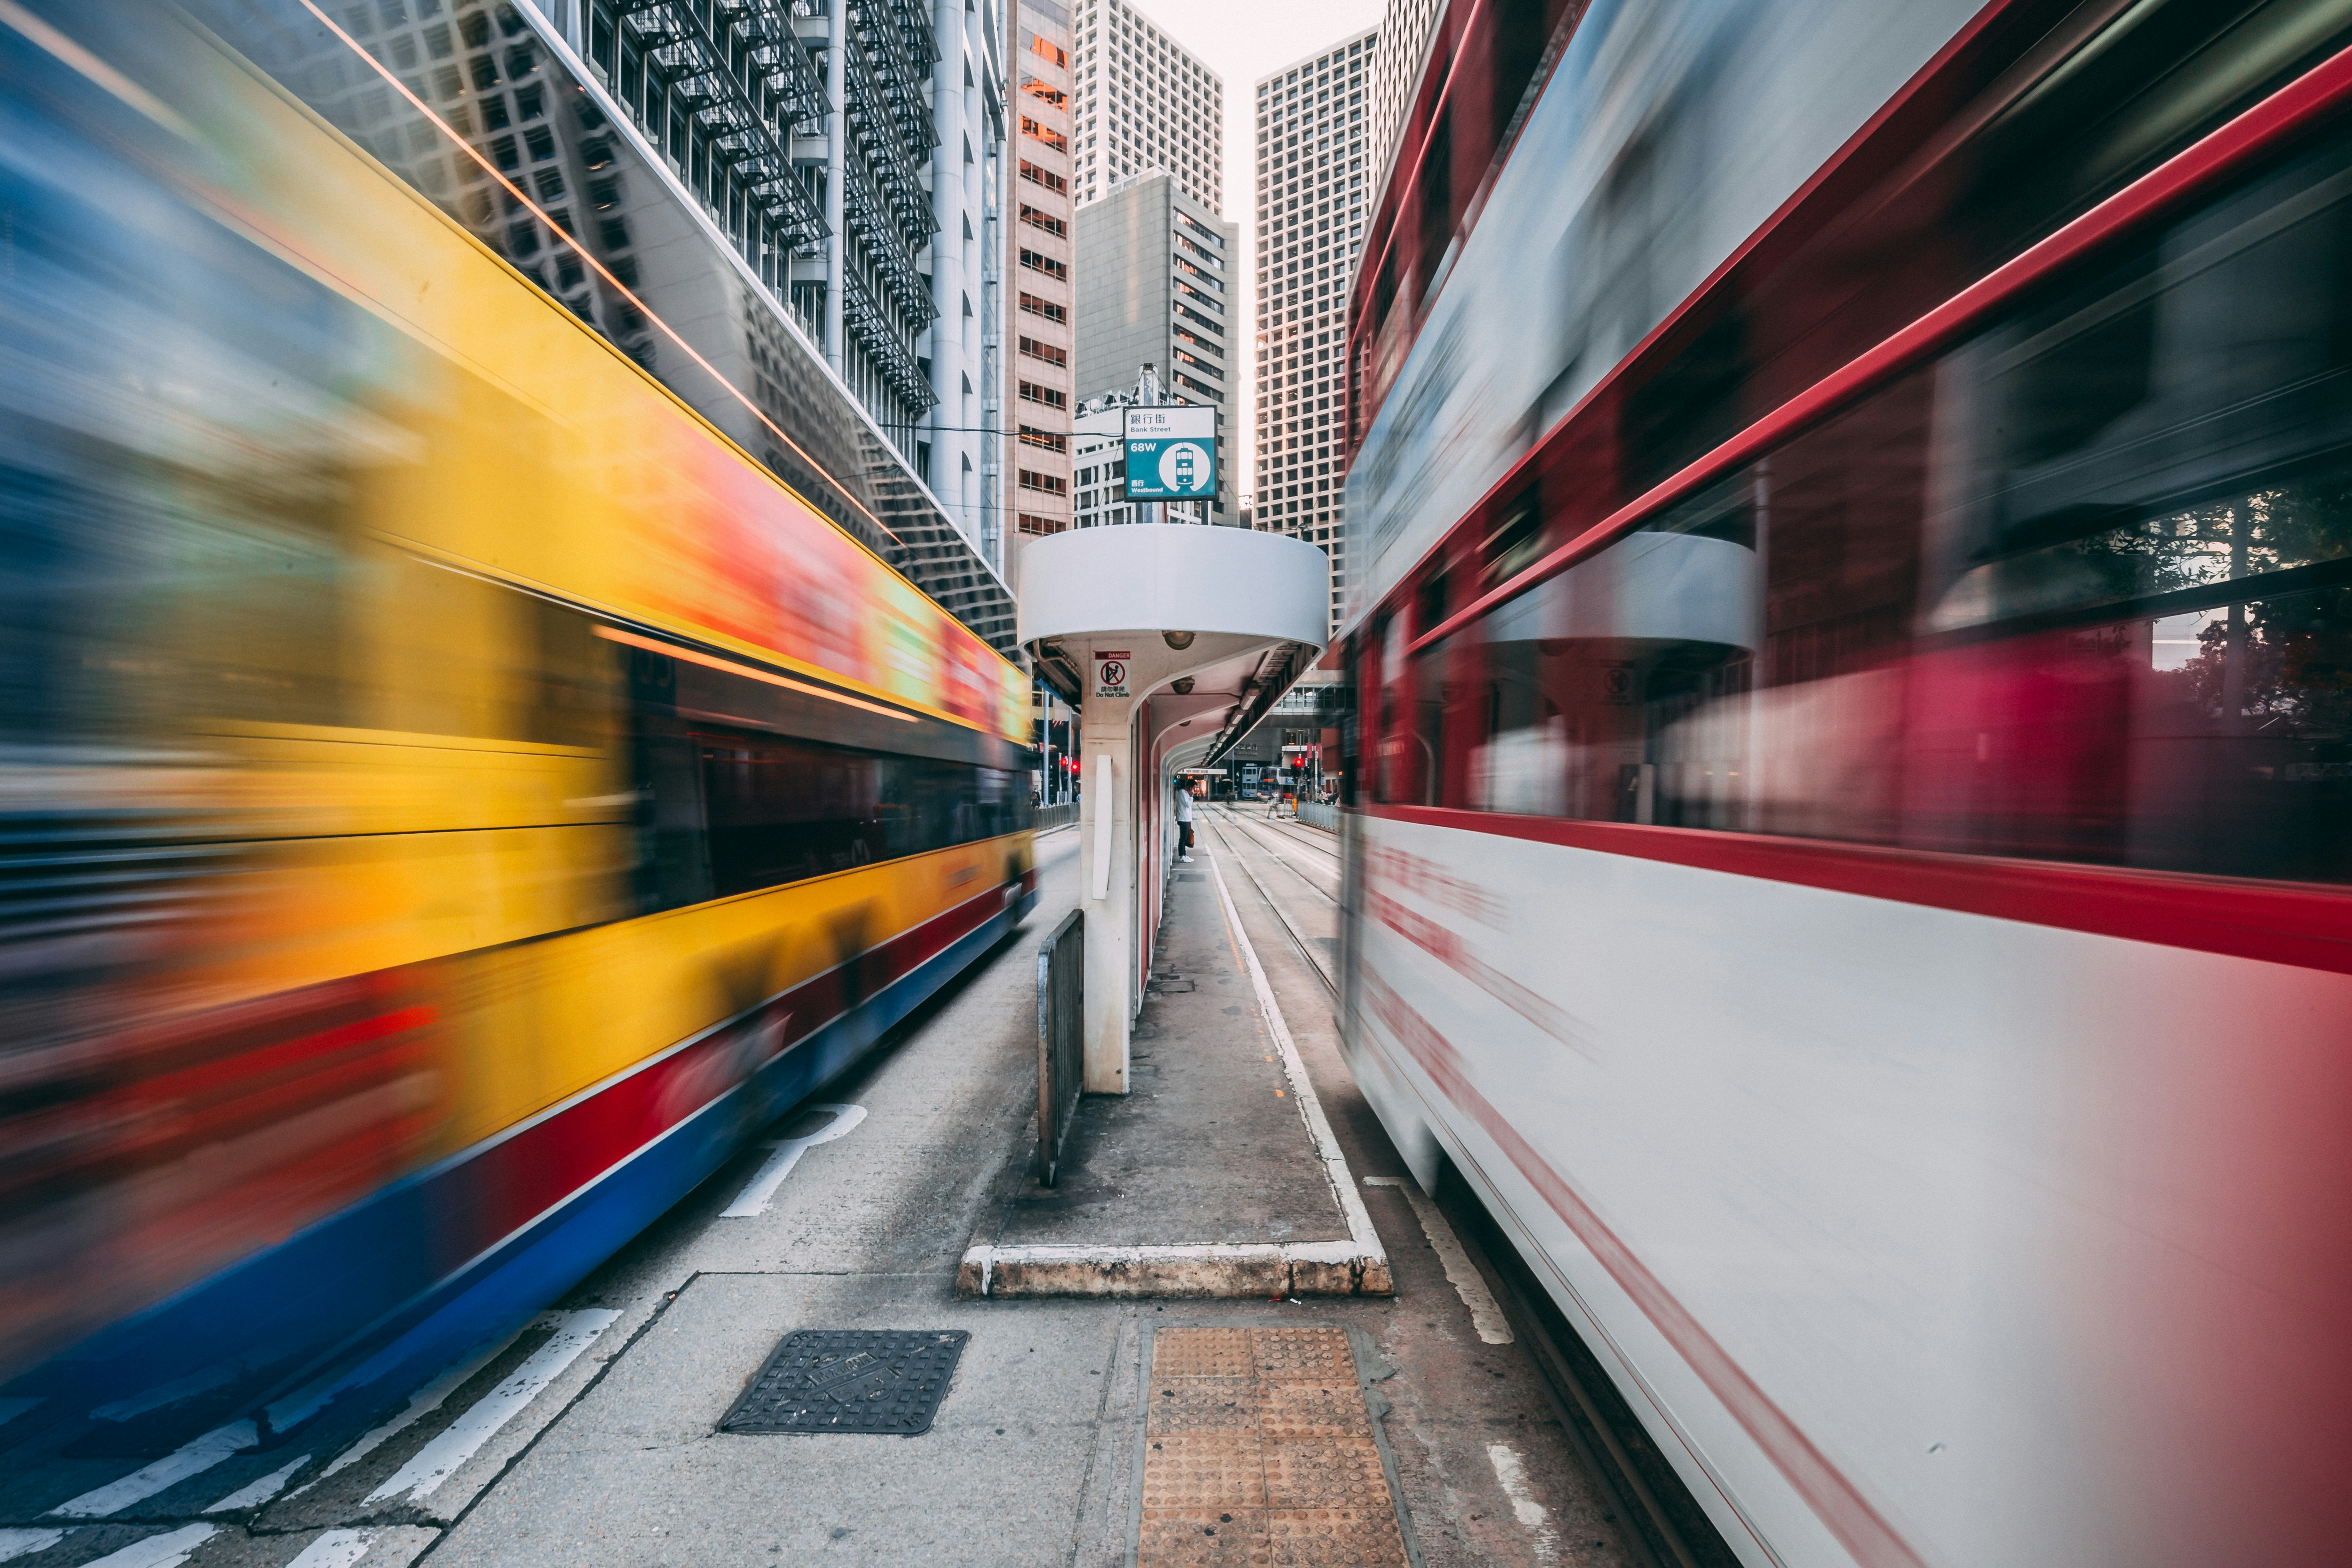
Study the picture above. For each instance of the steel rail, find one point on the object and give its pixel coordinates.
(1298, 939)
(1295, 869)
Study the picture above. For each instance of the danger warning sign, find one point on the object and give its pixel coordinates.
(1110, 672)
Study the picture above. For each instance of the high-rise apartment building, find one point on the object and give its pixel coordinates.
(1312, 185)
(1158, 278)
(1405, 30)
(1044, 251)
(1143, 104)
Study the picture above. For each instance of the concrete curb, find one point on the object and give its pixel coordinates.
(1207, 1271)
(1356, 1267)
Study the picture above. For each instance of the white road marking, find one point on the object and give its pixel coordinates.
(420, 1404)
(336, 1548)
(253, 1494)
(25, 1542)
(442, 1458)
(1310, 1108)
(12, 1408)
(1533, 1517)
(1468, 1283)
(158, 1551)
(755, 1197)
(191, 1459)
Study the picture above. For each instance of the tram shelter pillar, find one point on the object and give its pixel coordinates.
(1173, 640)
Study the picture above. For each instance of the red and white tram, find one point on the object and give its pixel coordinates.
(1851, 522)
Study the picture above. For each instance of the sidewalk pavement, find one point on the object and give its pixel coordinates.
(1216, 1175)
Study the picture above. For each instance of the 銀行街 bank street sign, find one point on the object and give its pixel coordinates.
(1172, 454)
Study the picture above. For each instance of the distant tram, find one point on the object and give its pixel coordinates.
(1851, 801)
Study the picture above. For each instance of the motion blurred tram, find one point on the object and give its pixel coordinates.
(452, 793)
(1850, 789)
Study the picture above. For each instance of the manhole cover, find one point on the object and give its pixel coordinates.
(850, 1380)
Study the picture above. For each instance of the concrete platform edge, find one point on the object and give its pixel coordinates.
(1299, 1268)
(1357, 1266)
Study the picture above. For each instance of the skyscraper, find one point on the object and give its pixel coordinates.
(1405, 30)
(1143, 103)
(1044, 251)
(1157, 276)
(1312, 180)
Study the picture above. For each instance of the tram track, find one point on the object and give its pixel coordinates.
(1314, 839)
(1668, 1528)
(1255, 832)
(1315, 961)
(1287, 829)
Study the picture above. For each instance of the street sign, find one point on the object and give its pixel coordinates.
(1171, 453)
(1110, 672)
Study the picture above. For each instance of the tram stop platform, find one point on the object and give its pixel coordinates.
(1216, 1174)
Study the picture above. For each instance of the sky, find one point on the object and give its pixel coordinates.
(1242, 40)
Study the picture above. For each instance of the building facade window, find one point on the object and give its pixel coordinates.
(1039, 262)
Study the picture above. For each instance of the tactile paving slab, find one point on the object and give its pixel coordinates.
(850, 1380)
(1204, 1538)
(1333, 1538)
(1205, 1470)
(1316, 1408)
(1257, 1448)
(1203, 1353)
(1287, 1353)
(1204, 1405)
(1324, 1473)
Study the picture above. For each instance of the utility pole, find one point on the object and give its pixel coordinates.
(1043, 698)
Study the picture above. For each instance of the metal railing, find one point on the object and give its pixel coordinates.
(1045, 819)
(1313, 814)
(1061, 1038)
(738, 82)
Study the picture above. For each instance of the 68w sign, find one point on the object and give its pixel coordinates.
(1110, 672)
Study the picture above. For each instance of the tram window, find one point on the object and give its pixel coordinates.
(2080, 589)
(782, 810)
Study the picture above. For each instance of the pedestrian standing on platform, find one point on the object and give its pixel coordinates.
(1184, 820)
